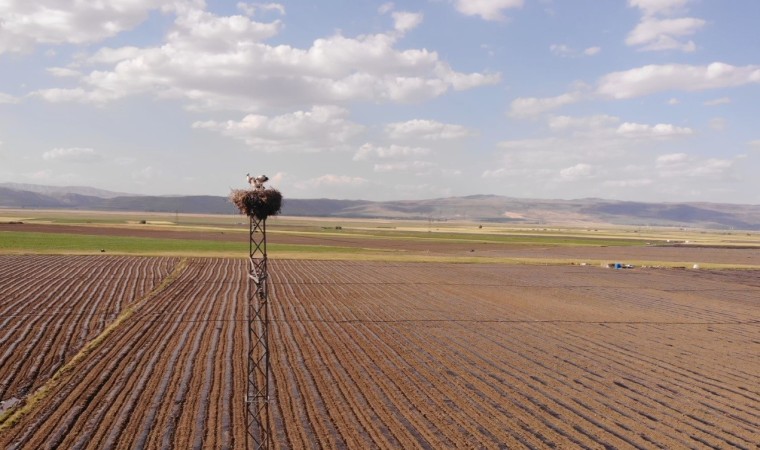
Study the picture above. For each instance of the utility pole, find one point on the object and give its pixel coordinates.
(258, 203)
(259, 426)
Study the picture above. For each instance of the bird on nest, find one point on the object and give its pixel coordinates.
(257, 182)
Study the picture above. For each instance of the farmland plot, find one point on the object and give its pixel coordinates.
(369, 355)
(468, 356)
(51, 306)
(165, 378)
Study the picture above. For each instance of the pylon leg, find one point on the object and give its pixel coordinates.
(257, 396)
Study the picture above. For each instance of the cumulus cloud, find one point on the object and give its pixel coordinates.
(146, 174)
(718, 101)
(562, 123)
(566, 51)
(330, 180)
(222, 63)
(651, 79)
(589, 151)
(656, 33)
(321, 128)
(653, 34)
(386, 8)
(682, 165)
(657, 7)
(630, 183)
(429, 130)
(72, 154)
(7, 98)
(250, 9)
(526, 107)
(659, 131)
(591, 51)
(26, 24)
(420, 167)
(405, 21)
(487, 9)
(578, 171)
(63, 72)
(372, 152)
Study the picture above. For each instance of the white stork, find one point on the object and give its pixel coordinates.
(258, 182)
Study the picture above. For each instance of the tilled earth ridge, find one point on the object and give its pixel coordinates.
(404, 355)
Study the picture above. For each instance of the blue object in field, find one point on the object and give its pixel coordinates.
(618, 265)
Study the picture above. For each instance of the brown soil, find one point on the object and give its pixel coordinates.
(51, 306)
(379, 355)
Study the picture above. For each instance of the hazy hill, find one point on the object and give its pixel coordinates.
(54, 191)
(490, 208)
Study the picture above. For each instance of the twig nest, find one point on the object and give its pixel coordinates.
(259, 203)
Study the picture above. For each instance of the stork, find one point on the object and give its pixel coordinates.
(257, 182)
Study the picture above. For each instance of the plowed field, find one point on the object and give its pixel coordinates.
(379, 355)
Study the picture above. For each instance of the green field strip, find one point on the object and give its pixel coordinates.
(64, 243)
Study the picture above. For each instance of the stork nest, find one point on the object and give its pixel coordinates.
(259, 203)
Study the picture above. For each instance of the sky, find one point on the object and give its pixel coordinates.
(642, 100)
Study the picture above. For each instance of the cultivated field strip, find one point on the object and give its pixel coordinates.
(380, 355)
(51, 306)
(426, 356)
(169, 377)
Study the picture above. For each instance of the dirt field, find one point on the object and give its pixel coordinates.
(379, 355)
(51, 306)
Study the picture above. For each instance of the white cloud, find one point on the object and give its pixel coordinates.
(718, 101)
(681, 165)
(146, 174)
(496, 173)
(653, 34)
(72, 154)
(589, 151)
(321, 128)
(405, 166)
(107, 55)
(651, 79)
(7, 98)
(656, 7)
(591, 51)
(576, 172)
(525, 107)
(250, 9)
(426, 130)
(561, 50)
(220, 62)
(405, 21)
(673, 101)
(661, 130)
(487, 9)
(330, 180)
(566, 51)
(385, 8)
(371, 152)
(632, 183)
(63, 72)
(754, 144)
(26, 23)
(600, 121)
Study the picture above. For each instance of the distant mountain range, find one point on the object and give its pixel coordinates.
(487, 208)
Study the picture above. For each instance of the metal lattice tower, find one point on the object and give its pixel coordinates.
(257, 399)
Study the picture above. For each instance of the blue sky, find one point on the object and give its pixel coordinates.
(651, 100)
